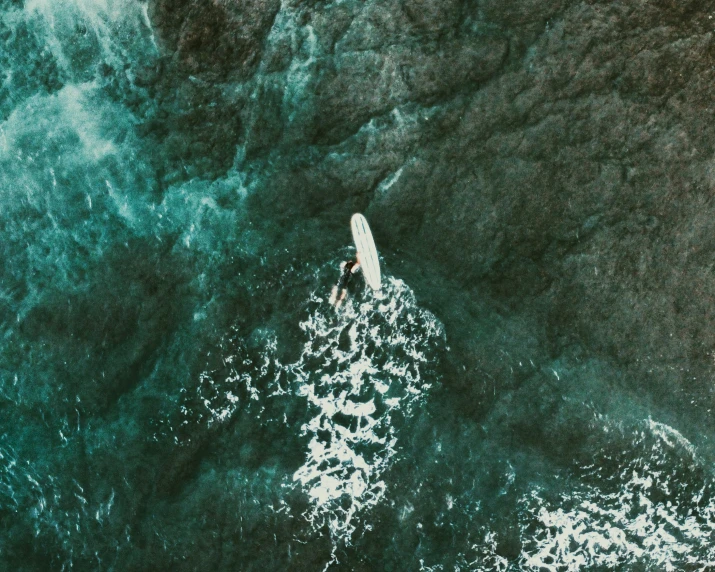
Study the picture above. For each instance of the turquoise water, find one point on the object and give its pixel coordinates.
(176, 392)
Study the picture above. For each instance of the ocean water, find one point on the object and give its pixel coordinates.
(176, 392)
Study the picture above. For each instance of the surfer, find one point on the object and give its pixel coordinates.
(340, 290)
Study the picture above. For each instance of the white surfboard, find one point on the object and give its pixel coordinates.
(366, 249)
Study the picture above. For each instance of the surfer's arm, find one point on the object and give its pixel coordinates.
(355, 267)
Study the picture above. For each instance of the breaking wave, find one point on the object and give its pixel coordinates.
(654, 508)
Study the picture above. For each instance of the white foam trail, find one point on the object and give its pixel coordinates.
(360, 374)
(670, 436)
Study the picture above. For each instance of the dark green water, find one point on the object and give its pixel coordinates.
(177, 394)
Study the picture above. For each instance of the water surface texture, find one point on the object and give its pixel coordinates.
(533, 387)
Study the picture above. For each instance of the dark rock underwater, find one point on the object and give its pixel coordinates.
(532, 389)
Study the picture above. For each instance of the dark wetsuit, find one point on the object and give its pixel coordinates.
(346, 275)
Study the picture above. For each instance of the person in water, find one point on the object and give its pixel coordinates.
(340, 290)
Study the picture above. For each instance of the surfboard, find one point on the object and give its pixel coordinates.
(366, 249)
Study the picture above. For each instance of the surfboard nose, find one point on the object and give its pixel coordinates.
(366, 250)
